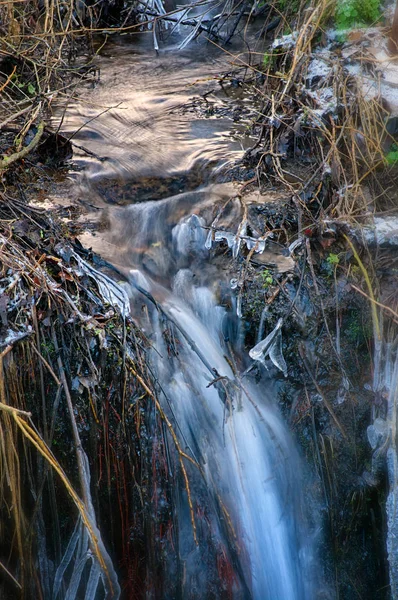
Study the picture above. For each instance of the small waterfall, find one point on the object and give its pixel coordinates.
(240, 533)
(244, 499)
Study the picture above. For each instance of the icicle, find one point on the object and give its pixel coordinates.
(388, 369)
(191, 35)
(262, 323)
(93, 580)
(257, 244)
(271, 346)
(235, 240)
(262, 349)
(275, 354)
(227, 236)
(239, 306)
(377, 384)
(242, 230)
(294, 245)
(74, 584)
(67, 557)
(209, 240)
(155, 39)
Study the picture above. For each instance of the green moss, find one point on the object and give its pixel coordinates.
(271, 58)
(267, 60)
(357, 328)
(47, 348)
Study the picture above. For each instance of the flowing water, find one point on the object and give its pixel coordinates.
(241, 531)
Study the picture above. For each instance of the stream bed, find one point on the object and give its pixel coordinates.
(240, 506)
(198, 302)
(154, 179)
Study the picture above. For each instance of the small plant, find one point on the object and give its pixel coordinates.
(30, 88)
(350, 13)
(330, 264)
(271, 58)
(267, 278)
(267, 60)
(392, 156)
(333, 259)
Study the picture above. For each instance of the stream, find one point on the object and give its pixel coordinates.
(153, 184)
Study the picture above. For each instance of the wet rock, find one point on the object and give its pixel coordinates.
(55, 150)
(386, 231)
(383, 232)
(286, 41)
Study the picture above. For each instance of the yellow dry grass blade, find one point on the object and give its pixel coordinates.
(375, 318)
(40, 445)
(10, 458)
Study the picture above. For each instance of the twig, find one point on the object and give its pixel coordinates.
(14, 116)
(383, 306)
(8, 160)
(369, 285)
(92, 119)
(10, 575)
(8, 79)
(46, 364)
(325, 400)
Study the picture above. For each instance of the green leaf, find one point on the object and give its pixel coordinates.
(392, 157)
(333, 259)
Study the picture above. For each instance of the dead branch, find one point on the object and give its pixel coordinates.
(9, 160)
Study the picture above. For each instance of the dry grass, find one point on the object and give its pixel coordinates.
(342, 148)
(74, 418)
(38, 50)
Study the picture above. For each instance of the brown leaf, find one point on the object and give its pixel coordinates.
(355, 36)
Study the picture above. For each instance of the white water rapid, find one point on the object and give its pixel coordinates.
(247, 482)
